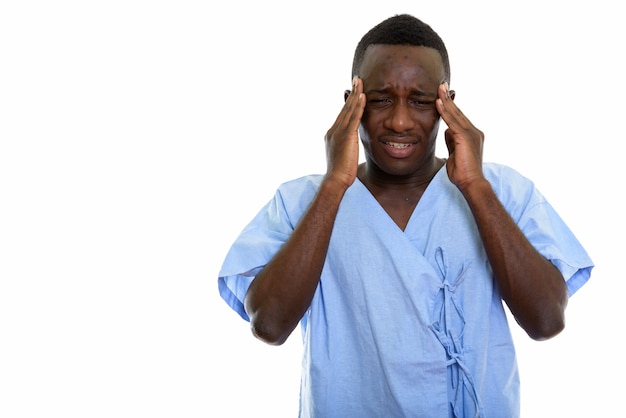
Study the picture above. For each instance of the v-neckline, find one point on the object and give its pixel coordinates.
(425, 195)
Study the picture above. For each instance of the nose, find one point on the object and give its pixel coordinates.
(399, 118)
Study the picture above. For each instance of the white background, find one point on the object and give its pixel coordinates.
(139, 137)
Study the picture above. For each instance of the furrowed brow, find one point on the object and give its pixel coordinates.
(389, 90)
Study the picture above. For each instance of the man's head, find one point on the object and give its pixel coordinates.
(401, 30)
(402, 63)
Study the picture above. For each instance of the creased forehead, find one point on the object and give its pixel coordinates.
(400, 61)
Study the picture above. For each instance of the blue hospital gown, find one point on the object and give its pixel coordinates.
(406, 323)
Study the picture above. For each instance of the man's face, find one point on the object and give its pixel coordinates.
(400, 123)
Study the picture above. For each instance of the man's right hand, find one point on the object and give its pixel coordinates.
(342, 139)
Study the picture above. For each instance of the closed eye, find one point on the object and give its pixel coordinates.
(422, 103)
(379, 102)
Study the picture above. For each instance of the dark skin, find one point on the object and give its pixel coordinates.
(396, 105)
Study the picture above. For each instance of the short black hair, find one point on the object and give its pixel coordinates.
(402, 29)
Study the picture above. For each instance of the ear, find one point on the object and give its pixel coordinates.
(345, 95)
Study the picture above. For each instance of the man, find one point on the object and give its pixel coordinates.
(397, 268)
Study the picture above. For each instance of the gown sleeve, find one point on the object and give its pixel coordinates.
(262, 238)
(544, 228)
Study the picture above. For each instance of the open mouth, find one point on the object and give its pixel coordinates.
(397, 145)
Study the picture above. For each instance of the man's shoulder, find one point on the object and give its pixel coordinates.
(301, 190)
(502, 174)
(309, 180)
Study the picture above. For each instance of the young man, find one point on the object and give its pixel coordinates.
(397, 268)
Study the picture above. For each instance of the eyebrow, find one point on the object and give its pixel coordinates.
(387, 90)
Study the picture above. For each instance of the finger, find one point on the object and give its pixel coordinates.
(445, 106)
(357, 104)
(450, 112)
(450, 144)
(350, 115)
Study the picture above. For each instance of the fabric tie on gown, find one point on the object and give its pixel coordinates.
(449, 331)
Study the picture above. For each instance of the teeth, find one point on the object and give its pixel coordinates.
(398, 145)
